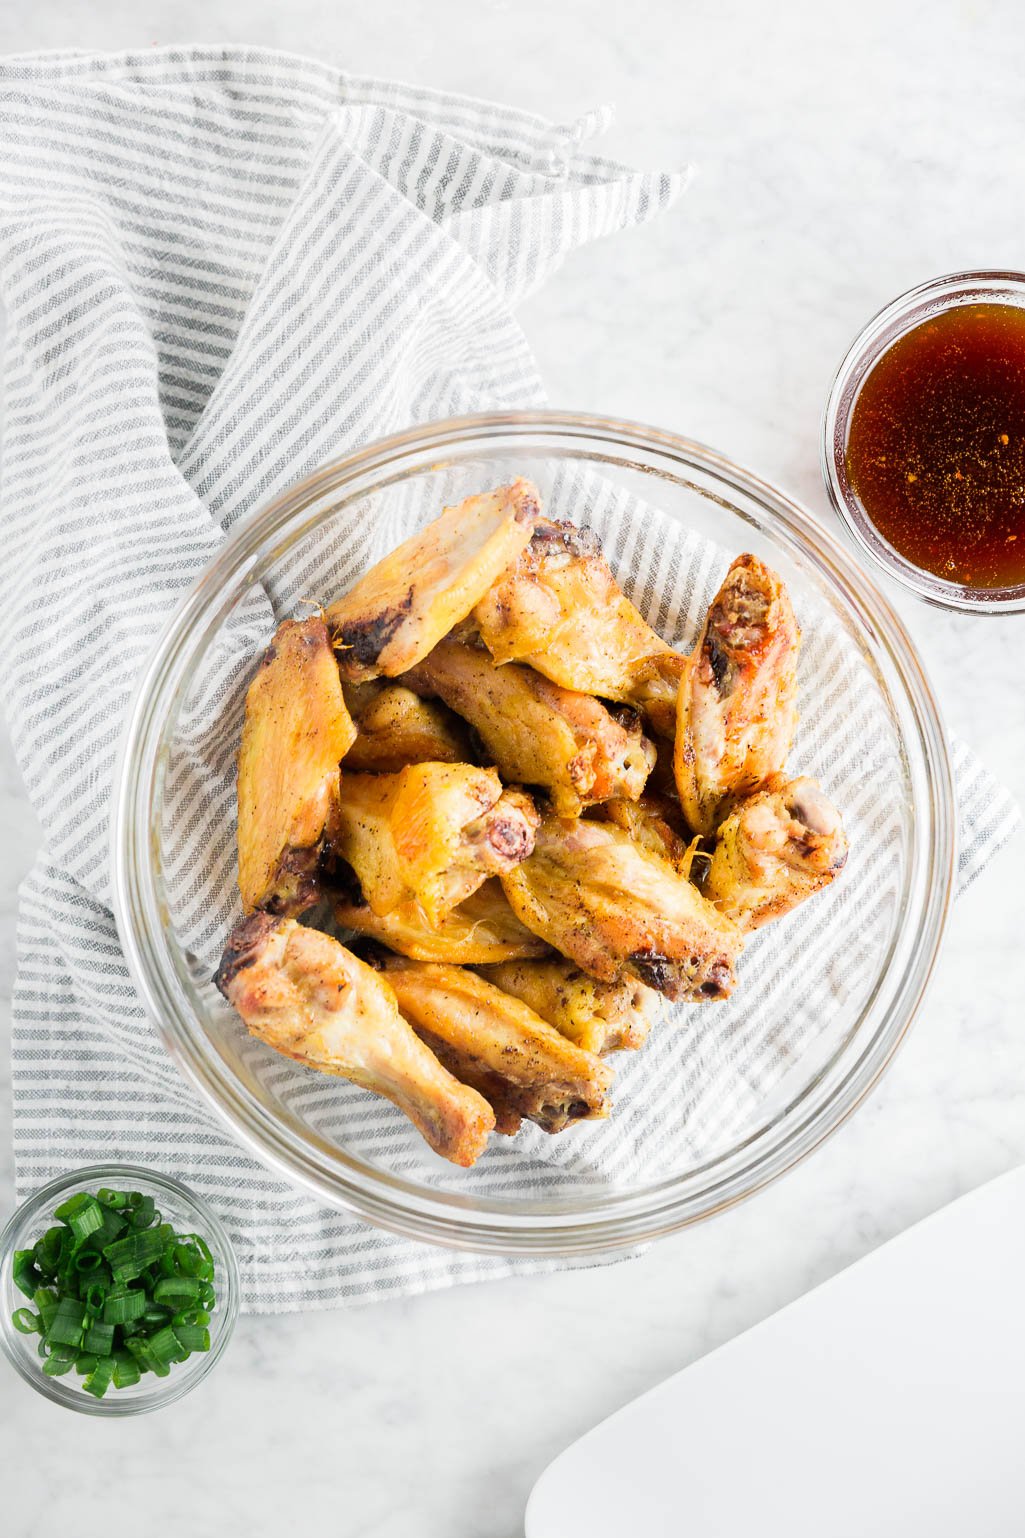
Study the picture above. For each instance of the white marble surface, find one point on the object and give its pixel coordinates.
(843, 154)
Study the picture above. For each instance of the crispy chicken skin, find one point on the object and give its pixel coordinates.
(600, 1017)
(296, 730)
(737, 702)
(537, 732)
(407, 602)
(430, 834)
(560, 609)
(482, 929)
(395, 727)
(612, 906)
(309, 998)
(492, 1035)
(774, 850)
(650, 822)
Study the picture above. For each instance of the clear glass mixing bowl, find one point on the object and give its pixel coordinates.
(574, 1194)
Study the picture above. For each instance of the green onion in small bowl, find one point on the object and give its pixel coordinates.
(119, 1290)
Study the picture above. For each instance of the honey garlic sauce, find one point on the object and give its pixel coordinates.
(936, 445)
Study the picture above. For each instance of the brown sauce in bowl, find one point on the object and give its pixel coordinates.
(936, 445)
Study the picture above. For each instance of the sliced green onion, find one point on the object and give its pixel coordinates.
(67, 1324)
(193, 1337)
(144, 1213)
(116, 1292)
(176, 1289)
(83, 1215)
(166, 1346)
(24, 1272)
(50, 1249)
(111, 1198)
(99, 1338)
(45, 1300)
(147, 1357)
(60, 1361)
(99, 1379)
(130, 1256)
(126, 1370)
(124, 1305)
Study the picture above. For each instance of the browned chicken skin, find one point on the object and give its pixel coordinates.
(492, 1036)
(560, 609)
(600, 1017)
(614, 907)
(395, 727)
(405, 604)
(774, 850)
(483, 928)
(536, 732)
(309, 998)
(737, 702)
(295, 732)
(430, 834)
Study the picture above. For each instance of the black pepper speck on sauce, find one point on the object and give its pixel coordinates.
(936, 445)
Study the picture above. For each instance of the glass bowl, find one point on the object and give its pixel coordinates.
(898, 317)
(188, 1213)
(725, 1097)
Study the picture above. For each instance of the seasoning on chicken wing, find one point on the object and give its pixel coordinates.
(432, 834)
(649, 822)
(407, 602)
(737, 703)
(395, 727)
(537, 732)
(491, 1035)
(775, 849)
(309, 998)
(600, 1017)
(483, 928)
(560, 609)
(295, 732)
(613, 906)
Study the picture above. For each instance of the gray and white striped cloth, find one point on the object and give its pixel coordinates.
(220, 268)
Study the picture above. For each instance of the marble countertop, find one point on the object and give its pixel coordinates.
(842, 155)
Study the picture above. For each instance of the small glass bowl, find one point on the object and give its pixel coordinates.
(903, 315)
(179, 1206)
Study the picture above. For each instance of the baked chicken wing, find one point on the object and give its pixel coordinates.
(613, 906)
(560, 609)
(404, 605)
(737, 702)
(295, 732)
(774, 850)
(395, 727)
(650, 822)
(600, 1017)
(309, 998)
(483, 928)
(537, 732)
(430, 834)
(500, 1045)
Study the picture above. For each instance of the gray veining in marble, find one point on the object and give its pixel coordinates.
(843, 154)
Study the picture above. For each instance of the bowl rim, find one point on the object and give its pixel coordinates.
(877, 336)
(164, 1391)
(446, 1218)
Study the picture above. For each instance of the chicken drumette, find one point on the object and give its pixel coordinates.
(309, 998)
(777, 848)
(517, 1061)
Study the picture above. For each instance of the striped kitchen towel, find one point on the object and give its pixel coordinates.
(222, 267)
